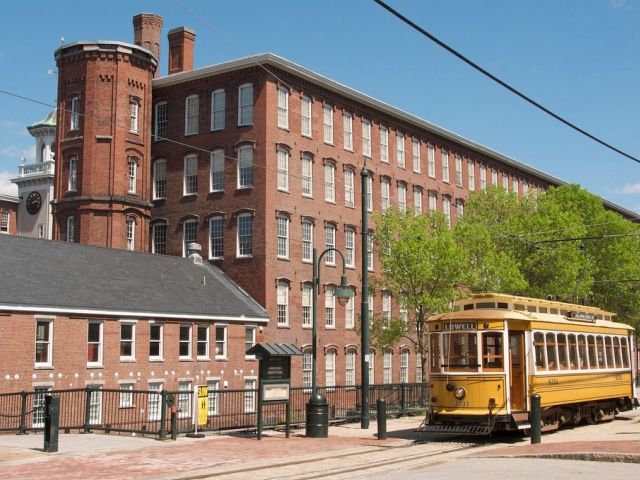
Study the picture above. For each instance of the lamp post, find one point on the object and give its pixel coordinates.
(317, 425)
(364, 309)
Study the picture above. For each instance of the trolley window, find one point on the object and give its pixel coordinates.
(538, 344)
(573, 351)
(608, 347)
(460, 352)
(563, 357)
(492, 356)
(434, 341)
(625, 352)
(552, 361)
(582, 351)
(591, 348)
(600, 351)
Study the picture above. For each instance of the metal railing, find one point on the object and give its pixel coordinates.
(147, 412)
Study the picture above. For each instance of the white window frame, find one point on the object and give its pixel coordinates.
(384, 144)
(459, 209)
(218, 109)
(329, 307)
(446, 209)
(387, 367)
(250, 339)
(154, 406)
(44, 341)
(330, 367)
(72, 183)
(350, 314)
(99, 343)
(247, 235)
(250, 386)
(306, 109)
(216, 178)
(471, 174)
(444, 155)
(483, 177)
(330, 242)
(350, 368)
(159, 179)
(433, 201)
(327, 114)
(306, 304)
(245, 104)
(386, 308)
(190, 176)
(126, 394)
(161, 120)
(370, 252)
(347, 131)
(131, 233)
(350, 247)
(282, 302)
(329, 182)
(404, 365)
(307, 174)
(188, 342)
(402, 197)
(185, 398)
(369, 198)
(189, 234)
(132, 176)
(75, 114)
(415, 151)
(159, 341)
(245, 166)
(417, 200)
(213, 388)
(222, 341)
(385, 194)
(283, 169)
(283, 108)
(202, 327)
(282, 236)
(366, 137)
(130, 341)
(505, 182)
(349, 187)
(307, 240)
(134, 109)
(494, 177)
(431, 161)
(459, 179)
(216, 237)
(159, 232)
(4, 221)
(400, 150)
(191, 114)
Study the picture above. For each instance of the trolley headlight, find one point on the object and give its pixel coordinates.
(459, 393)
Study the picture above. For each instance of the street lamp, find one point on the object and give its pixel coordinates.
(317, 408)
(364, 312)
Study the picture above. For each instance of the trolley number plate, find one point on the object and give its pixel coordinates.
(460, 403)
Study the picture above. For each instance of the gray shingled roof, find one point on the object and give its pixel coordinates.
(47, 276)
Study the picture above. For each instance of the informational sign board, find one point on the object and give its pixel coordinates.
(275, 391)
(203, 404)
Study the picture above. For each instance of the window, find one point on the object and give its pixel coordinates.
(370, 252)
(492, 351)
(483, 177)
(161, 120)
(307, 175)
(283, 107)
(494, 177)
(44, 342)
(305, 117)
(156, 341)
(283, 303)
(402, 197)
(184, 398)
(4, 222)
(384, 144)
(384, 194)
(459, 209)
(307, 240)
(283, 236)
(202, 342)
(189, 235)
(415, 146)
(458, 170)
(134, 107)
(460, 349)
(350, 247)
(349, 314)
(417, 200)
(505, 182)
(366, 137)
(190, 182)
(250, 395)
(328, 123)
(403, 313)
(216, 237)
(525, 187)
(131, 233)
(127, 341)
(330, 182)
(387, 367)
(431, 161)
(330, 242)
(213, 388)
(404, 366)
(330, 368)
(370, 311)
(155, 405)
(159, 179)
(94, 343)
(185, 342)
(329, 307)
(218, 106)
(221, 341)
(245, 166)
(71, 229)
(39, 394)
(245, 105)
(446, 209)
(445, 166)
(514, 184)
(350, 368)
(372, 367)
(400, 150)
(386, 308)
(369, 198)
(283, 169)
(347, 127)
(73, 175)
(159, 238)
(249, 339)
(307, 298)
(95, 405)
(245, 235)
(217, 171)
(419, 369)
(191, 114)
(471, 174)
(75, 113)
(307, 362)
(349, 178)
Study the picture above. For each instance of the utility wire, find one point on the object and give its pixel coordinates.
(504, 84)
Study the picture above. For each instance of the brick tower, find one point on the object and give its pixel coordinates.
(103, 141)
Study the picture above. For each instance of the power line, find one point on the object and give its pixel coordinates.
(504, 84)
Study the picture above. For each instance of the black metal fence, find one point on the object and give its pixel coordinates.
(150, 413)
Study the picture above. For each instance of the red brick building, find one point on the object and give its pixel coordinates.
(8, 214)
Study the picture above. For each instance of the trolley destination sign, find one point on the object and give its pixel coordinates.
(459, 326)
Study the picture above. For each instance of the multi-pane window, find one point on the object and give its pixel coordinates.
(350, 246)
(245, 166)
(349, 183)
(403, 314)
(250, 395)
(458, 170)
(369, 198)
(307, 175)
(159, 179)
(417, 200)
(190, 177)
(185, 392)
(202, 342)
(134, 109)
(347, 130)
(370, 251)
(402, 197)
(386, 308)
(95, 404)
(329, 307)
(217, 171)
(159, 238)
(387, 367)
(307, 298)
(330, 368)
(245, 104)
(525, 187)
(446, 209)
(505, 182)
(483, 177)
(189, 235)
(431, 161)
(216, 237)
(283, 107)
(283, 303)
(327, 115)
(370, 311)
(494, 177)
(191, 114)
(514, 187)
(161, 117)
(4, 222)
(307, 362)
(283, 169)
(249, 339)
(73, 175)
(330, 242)
(350, 314)
(305, 116)
(459, 208)
(155, 400)
(156, 343)
(329, 182)
(283, 236)
(419, 369)
(366, 137)
(400, 150)
(372, 367)
(71, 229)
(38, 413)
(127, 341)
(131, 233)
(307, 240)
(384, 144)
(218, 106)
(132, 174)
(384, 194)
(445, 166)
(245, 235)
(350, 368)
(44, 342)
(94, 343)
(221, 341)
(404, 366)
(184, 348)
(213, 395)
(471, 173)
(75, 113)
(415, 146)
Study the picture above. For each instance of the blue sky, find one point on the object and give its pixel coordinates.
(580, 58)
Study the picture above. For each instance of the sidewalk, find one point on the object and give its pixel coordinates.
(102, 456)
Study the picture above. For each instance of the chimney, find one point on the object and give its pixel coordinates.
(193, 250)
(181, 42)
(147, 28)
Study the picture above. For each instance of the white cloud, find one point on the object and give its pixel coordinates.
(6, 187)
(631, 189)
(16, 152)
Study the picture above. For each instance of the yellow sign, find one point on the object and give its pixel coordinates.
(203, 405)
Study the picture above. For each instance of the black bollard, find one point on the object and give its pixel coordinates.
(381, 407)
(535, 419)
(51, 423)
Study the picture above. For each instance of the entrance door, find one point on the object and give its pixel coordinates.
(517, 367)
